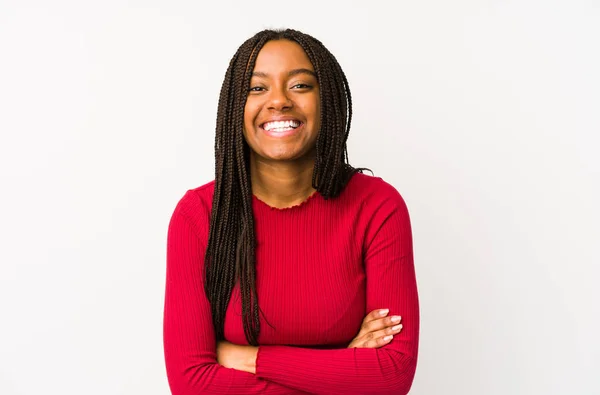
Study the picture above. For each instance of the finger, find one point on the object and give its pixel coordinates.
(372, 343)
(380, 338)
(394, 330)
(375, 315)
(379, 342)
(376, 339)
(379, 324)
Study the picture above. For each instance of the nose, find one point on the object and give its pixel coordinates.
(279, 100)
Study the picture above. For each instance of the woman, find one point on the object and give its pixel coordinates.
(272, 267)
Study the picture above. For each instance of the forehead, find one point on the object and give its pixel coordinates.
(281, 55)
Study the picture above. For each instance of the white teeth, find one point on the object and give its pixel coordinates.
(280, 126)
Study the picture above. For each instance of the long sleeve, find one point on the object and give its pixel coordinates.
(189, 340)
(390, 283)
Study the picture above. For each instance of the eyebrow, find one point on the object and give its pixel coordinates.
(291, 73)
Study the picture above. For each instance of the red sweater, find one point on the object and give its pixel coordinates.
(321, 267)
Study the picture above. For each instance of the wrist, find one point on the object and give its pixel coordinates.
(250, 360)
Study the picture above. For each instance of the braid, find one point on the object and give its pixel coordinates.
(230, 254)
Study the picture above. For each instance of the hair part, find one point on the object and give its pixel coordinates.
(230, 254)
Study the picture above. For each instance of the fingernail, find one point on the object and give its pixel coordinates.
(395, 328)
(388, 338)
(396, 318)
(384, 312)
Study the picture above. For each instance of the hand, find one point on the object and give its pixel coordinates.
(237, 357)
(377, 330)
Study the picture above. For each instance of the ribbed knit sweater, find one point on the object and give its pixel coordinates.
(321, 267)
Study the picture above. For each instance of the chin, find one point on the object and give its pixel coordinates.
(282, 157)
(287, 155)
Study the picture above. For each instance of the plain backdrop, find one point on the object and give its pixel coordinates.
(483, 114)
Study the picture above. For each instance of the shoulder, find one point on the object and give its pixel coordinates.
(384, 214)
(374, 191)
(377, 202)
(195, 206)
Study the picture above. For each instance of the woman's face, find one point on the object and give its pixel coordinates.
(282, 112)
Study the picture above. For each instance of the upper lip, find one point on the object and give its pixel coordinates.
(279, 119)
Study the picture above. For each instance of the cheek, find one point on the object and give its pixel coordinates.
(316, 110)
(247, 114)
(250, 113)
(318, 114)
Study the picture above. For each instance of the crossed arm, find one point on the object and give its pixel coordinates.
(192, 356)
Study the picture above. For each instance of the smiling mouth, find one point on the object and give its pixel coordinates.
(281, 126)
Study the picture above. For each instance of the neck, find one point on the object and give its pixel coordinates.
(282, 183)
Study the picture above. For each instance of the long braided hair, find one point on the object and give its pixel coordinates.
(230, 254)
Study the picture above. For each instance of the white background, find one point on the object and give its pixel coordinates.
(483, 114)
